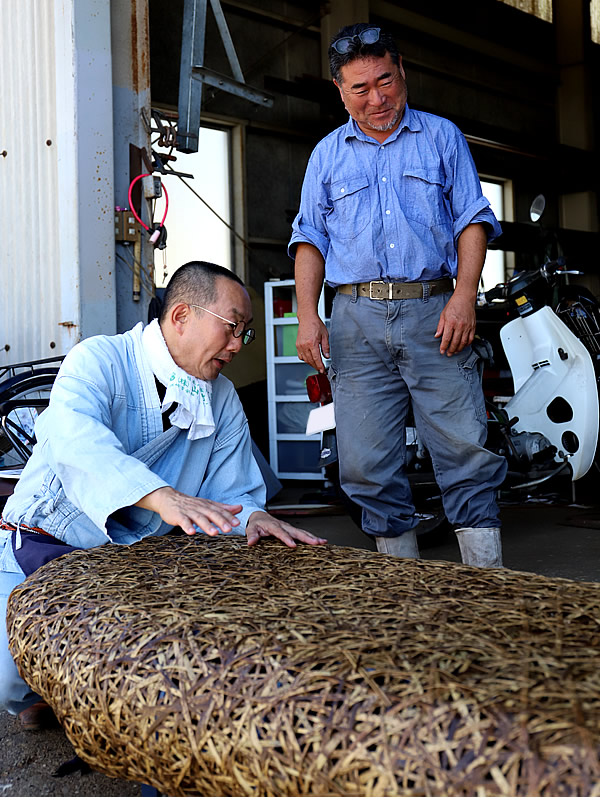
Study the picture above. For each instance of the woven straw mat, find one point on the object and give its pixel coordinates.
(205, 667)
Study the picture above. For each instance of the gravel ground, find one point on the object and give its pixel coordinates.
(29, 759)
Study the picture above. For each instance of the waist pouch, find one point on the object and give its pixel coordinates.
(37, 549)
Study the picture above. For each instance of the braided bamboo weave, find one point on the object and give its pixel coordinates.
(206, 667)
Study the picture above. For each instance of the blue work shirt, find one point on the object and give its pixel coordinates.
(391, 211)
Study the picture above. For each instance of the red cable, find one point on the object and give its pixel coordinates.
(133, 211)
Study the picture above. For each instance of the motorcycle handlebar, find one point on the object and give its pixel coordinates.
(548, 270)
(553, 266)
(497, 293)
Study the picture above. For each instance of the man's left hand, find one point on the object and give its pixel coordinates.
(456, 325)
(260, 525)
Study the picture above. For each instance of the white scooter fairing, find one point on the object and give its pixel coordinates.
(555, 386)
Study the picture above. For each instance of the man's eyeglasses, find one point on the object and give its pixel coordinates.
(237, 328)
(346, 43)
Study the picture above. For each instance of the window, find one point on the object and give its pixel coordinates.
(194, 232)
(540, 8)
(499, 194)
(595, 20)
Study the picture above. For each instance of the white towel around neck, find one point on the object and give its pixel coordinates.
(193, 396)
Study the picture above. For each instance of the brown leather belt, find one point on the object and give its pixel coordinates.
(379, 290)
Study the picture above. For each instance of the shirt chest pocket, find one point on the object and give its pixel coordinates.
(423, 195)
(350, 209)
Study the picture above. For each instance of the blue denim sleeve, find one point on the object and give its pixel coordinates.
(478, 211)
(467, 201)
(488, 217)
(309, 224)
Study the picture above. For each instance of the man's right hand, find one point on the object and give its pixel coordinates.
(178, 509)
(312, 340)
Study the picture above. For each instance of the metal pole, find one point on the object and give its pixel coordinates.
(190, 91)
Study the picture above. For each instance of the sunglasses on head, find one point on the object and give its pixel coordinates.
(346, 43)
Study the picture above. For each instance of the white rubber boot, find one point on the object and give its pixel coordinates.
(480, 547)
(403, 546)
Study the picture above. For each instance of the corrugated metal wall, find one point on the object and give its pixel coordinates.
(29, 238)
(56, 176)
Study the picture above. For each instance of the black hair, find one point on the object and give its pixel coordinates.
(385, 44)
(195, 282)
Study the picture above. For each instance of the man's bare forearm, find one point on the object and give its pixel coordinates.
(471, 248)
(310, 273)
(456, 327)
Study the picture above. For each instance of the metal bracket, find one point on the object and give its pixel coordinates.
(193, 74)
(239, 88)
(165, 127)
(160, 164)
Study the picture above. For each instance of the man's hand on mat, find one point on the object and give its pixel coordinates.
(260, 525)
(179, 509)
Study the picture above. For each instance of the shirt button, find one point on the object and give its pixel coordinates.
(392, 245)
(342, 190)
(388, 211)
(384, 179)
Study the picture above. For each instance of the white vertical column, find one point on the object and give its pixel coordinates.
(85, 168)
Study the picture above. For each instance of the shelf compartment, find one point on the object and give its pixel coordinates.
(290, 379)
(292, 417)
(285, 338)
(299, 456)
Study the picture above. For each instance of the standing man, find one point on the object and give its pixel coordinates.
(142, 434)
(391, 212)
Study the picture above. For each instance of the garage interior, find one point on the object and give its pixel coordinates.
(516, 76)
(518, 86)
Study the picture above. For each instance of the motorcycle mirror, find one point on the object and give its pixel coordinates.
(537, 208)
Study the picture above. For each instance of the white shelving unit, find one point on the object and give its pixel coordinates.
(293, 454)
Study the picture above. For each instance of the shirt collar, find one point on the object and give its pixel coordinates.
(409, 122)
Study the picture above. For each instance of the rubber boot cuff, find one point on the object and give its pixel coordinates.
(403, 546)
(480, 547)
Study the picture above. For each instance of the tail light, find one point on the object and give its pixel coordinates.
(318, 388)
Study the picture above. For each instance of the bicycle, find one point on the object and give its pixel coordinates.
(24, 394)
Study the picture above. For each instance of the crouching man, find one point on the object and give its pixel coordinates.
(142, 434)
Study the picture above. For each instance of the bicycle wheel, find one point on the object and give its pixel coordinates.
(21, 402)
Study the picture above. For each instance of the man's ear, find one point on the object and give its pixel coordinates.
(339, 86)
(400, 67)
(178, 316)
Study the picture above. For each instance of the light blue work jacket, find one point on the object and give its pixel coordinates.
(101, 448)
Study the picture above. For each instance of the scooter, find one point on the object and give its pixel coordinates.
(549, 426)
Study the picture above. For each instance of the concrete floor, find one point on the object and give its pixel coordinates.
(547, 536)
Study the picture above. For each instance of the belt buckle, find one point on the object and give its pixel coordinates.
(380, 283)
